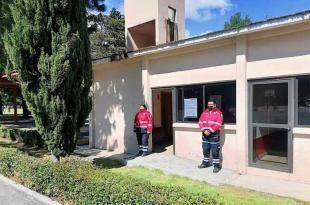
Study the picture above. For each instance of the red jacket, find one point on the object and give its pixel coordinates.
(211, 120)
(143, 121)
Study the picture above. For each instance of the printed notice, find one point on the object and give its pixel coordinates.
(190, 108)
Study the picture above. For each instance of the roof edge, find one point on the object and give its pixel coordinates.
(222, 34)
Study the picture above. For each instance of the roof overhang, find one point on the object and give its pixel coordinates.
(214, 36)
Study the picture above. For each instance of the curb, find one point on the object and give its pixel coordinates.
(39, 197)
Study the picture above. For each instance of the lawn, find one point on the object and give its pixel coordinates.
(221, 194)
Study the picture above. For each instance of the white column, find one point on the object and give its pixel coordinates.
(242, 104)
(147, 91)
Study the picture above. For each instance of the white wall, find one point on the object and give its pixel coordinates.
(188, 144)
(210, 65)
(118, 94)
(280, 55)
(179, 5)
(142, 11)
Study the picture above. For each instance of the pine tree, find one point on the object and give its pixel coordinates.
(109, 38)
(236, 21)
(49, 48)
(5, 24)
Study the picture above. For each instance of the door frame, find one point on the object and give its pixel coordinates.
(173, 94)
(289, 126)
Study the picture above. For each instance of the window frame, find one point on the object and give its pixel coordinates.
(174, 13)
(289, 126)
(178, 117)
(296, 102)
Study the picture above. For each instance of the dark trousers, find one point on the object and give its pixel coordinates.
(143, 142)
(211, 144)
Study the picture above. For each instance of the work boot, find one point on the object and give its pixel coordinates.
(139, 154)
(144, 154)
(202, 166)
(216, 169)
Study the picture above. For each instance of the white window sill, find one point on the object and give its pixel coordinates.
(195, 126)
(302, 131)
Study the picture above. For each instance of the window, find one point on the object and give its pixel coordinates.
(303, 101)
(225, 97)
(172, 14)
(172, 29)
(180, 104)
(192, 100)
(270, 103)
(190, 103)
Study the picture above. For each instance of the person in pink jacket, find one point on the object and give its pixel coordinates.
(210, 123)
(143, 126)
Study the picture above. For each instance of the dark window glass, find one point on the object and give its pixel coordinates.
(270, 103)
(225, 97)
(172, 31)
(192, 103)
(180, 104)
(304, 101)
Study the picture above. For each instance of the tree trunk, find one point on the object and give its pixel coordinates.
(1, 106)
(25, 109)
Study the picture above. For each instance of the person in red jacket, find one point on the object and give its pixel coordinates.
(143, 126)
(210, 123)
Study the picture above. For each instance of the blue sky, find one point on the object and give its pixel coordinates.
(203, 16)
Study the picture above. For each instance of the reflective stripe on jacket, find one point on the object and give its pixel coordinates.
(143, 119)
(211, 120)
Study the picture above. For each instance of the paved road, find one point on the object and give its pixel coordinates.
(12, 194)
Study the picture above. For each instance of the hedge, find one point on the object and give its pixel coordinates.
(30, 137)
(80, 182)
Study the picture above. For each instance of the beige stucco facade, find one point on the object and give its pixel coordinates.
(138, 12)
(119, 87)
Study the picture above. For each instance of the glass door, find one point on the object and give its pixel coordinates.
(271, 106)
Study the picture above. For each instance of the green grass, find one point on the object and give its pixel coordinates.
(229, 195)
(224, 194)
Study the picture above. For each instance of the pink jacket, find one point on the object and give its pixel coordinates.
(144, 120)
(211, 120)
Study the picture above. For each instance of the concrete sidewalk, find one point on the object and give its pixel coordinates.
(173, 165)
(12, 193)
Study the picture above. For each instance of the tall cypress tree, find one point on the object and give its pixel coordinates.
(5, 24)
(49, 47)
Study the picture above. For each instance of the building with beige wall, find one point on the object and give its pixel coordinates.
(259, 74)
(149, 23)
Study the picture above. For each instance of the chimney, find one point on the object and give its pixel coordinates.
(153, 22)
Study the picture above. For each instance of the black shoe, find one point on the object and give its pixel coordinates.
(216, 169)
(144, 154)
(202, 166)
(139, 154)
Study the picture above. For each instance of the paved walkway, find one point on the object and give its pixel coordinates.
(15, 194)
(173, 165)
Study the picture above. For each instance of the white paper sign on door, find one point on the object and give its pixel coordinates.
(190, 108)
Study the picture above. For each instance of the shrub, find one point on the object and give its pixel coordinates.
(30, 137)
(81, 182)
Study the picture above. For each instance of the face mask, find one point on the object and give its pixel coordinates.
(210, 108)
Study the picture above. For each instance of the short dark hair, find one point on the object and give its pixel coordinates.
(212, 100)
(143, 105)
